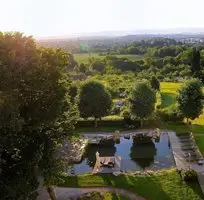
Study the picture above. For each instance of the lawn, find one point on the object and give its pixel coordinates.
(163, 185)
(83, 57)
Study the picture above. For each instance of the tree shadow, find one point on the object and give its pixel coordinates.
(149, 188)
(167, 99)
(196, 188)
(145, 187)
(68, 181)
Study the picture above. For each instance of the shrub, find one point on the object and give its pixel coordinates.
(92, 196)
(170, 114)
(108, 123)
(189, 176)
(158, 107)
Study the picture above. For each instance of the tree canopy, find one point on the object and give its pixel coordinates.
(190, 99)
(94, 100)
(142, 100)
(155, 83)
(36, 113)
(195, 64)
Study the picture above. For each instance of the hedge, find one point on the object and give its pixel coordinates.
(107, 123)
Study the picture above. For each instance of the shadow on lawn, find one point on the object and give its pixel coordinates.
(167, 99)
(145, 187)
(69, 181)
(196, 188)
(149, 187)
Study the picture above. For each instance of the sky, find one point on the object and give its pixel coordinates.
(44, 18)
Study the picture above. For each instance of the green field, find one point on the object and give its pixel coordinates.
(83, 57)
(163, 185)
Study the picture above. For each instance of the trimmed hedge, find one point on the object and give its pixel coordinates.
(108, 123)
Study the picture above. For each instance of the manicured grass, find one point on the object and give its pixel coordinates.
(200, 142)
(83, 57)
(167, 99)
(163, 185)
(168, 93)
(169, 87)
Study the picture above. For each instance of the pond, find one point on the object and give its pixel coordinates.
(138, 154)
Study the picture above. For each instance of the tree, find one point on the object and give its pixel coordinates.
(82, 68)
(36, 114)
(94, 100)
(98, 66)
(190, 99)
(73, 90)
(155, 83)
(195, 63)
(142, 100)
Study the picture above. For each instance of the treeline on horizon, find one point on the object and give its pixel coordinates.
(167, 59)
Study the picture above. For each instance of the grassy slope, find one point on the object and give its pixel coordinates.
(83, 57)
(164, 185)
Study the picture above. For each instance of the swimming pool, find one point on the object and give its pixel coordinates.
(138, 154)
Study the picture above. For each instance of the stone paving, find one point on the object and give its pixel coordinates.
(181, 158)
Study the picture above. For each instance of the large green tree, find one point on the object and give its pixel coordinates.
(36, 113)
(195, 63)
(155, 83)
(142, 100)
(190, 99)
(94, 100)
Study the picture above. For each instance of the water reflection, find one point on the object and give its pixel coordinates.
(104, 150)
(142, 151)
(139, 153)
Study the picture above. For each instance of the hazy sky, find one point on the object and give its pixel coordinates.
(64, 17)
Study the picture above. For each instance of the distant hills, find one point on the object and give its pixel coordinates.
(178, 32)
